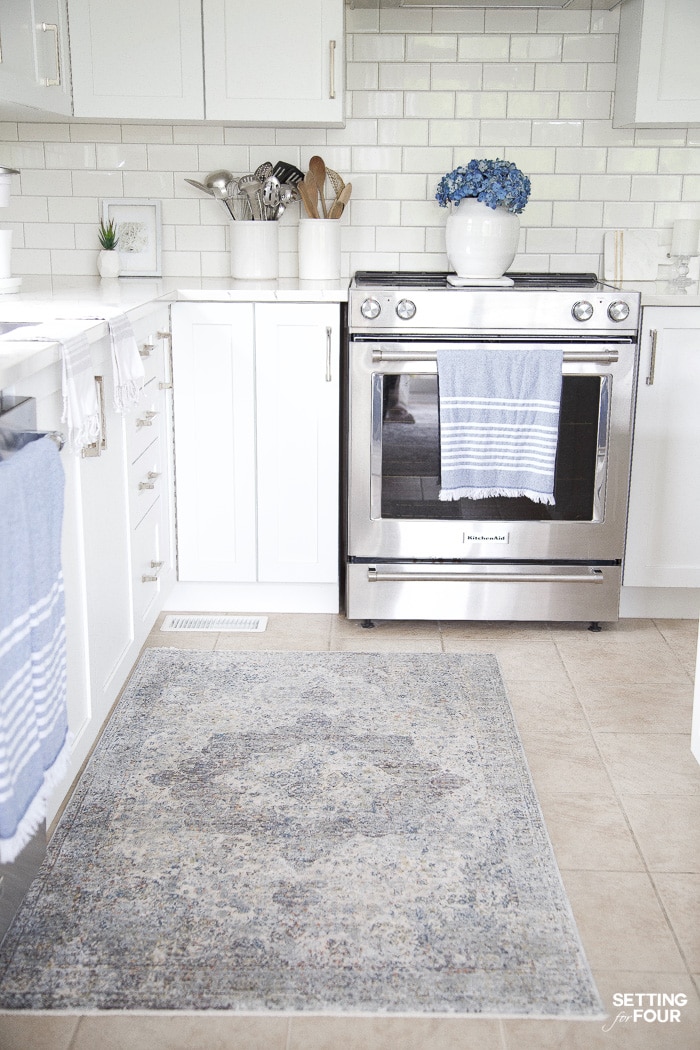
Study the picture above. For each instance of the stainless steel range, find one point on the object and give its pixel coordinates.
(411, 555)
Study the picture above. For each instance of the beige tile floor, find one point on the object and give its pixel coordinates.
(605, 722)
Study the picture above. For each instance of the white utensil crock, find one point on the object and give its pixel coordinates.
(319, 249)
(255, 250)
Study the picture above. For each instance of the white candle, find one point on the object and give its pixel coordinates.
(685, 237)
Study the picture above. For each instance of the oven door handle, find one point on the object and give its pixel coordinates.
(585, 576)
(603, 357)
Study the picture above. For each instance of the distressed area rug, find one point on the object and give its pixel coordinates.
(303, 832)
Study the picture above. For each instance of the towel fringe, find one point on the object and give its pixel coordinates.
(35, 815)
(470, 493)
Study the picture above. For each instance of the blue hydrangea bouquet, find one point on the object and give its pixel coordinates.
(496, 183)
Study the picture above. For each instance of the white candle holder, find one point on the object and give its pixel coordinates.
(684, 247)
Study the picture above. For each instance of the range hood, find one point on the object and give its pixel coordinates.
(558, 5)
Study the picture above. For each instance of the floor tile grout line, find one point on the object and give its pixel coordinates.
(618, 798)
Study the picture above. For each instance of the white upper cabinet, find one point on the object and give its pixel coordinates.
(136, 59)
(224, 60)
(34, 64)
(658, 73)
(274, 63)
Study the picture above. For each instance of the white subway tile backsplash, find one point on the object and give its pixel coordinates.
(456, 76)
(509, 76)
(426, 89)
(429, 104)
(403, 132)
(435, 47)
(404, 76)
(483, 48)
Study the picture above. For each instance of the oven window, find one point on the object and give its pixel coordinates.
(410, 455)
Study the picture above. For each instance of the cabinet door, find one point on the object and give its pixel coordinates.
(136, 59)
(107, 549)
(277, 63)
(664, 510)
(297, 432)
(34, 65)
(658, 75)
(213, 387)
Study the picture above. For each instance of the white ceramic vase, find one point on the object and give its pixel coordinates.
(481, 242)
(108, 263)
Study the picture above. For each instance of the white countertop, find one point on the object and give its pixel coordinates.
(60, 308)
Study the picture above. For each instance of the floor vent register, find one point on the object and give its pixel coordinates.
(214, 623)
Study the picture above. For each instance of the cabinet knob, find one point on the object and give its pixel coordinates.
(152, 477)
(146, 350)
(153, 577)
(146, 420)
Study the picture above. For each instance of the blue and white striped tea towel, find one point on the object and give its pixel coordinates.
(499, 420)
(34, 737)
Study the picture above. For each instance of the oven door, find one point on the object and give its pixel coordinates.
(394, 463)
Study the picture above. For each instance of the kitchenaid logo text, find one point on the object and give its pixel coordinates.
(649, 1007)
(491, 537)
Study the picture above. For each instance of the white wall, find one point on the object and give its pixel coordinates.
(427, 90)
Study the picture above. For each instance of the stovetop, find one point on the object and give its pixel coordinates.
(412, 301)
(431, 279)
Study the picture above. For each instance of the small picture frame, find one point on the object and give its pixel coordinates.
(139, 229)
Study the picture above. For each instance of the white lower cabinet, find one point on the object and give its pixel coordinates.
(257, 455)
(662, 550)
(113, 536)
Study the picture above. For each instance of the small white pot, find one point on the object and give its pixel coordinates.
(108, 263)
(481, 242)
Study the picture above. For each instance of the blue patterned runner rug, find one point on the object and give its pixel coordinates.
(303, 832)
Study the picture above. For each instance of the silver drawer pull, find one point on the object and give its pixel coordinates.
(164, 335)
(152, 476)
(153, 578)
(652, 360)
(50, 27)
(147, 419)
(147, 349)
(165, 386)
(374, 576)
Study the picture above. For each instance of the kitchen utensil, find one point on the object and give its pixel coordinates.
(200, 186)
(335, 180)
(217, 181)
(317, 167)
(287, 172)
(338, 205)
(251, 186)
(271, 193)
(263, 171)
(308, 198)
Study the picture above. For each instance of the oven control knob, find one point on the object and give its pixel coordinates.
(370, 309)
(618, 311)
(405, 309)
(582, 310)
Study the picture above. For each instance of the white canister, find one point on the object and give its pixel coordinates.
(255, 250)
(5, 254)
(319, 249)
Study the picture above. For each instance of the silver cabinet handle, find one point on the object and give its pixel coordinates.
(153, 577)
(95, 448)
(164, 335)
(165, 386)
(374, 576)
(146, 350)
(652, 360)
(331, 92)
(50, 27)
(329, 376)
(146, 420)
(152, 477)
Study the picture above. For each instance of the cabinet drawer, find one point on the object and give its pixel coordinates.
(147, 477)
(145, 422)
(148, 560)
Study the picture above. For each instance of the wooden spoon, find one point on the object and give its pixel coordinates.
(308, 199)
(338, 205)
(317, 167)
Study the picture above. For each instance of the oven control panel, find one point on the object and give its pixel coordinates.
(489, 310)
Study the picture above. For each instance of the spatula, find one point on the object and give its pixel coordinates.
(317, 167)
(338, 205)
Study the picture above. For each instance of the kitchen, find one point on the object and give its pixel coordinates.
(425, 89)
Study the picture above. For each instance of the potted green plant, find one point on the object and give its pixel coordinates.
(108, 263)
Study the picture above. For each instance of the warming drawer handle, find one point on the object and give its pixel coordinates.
(375, 576)
(652, 360)
(605, 357)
